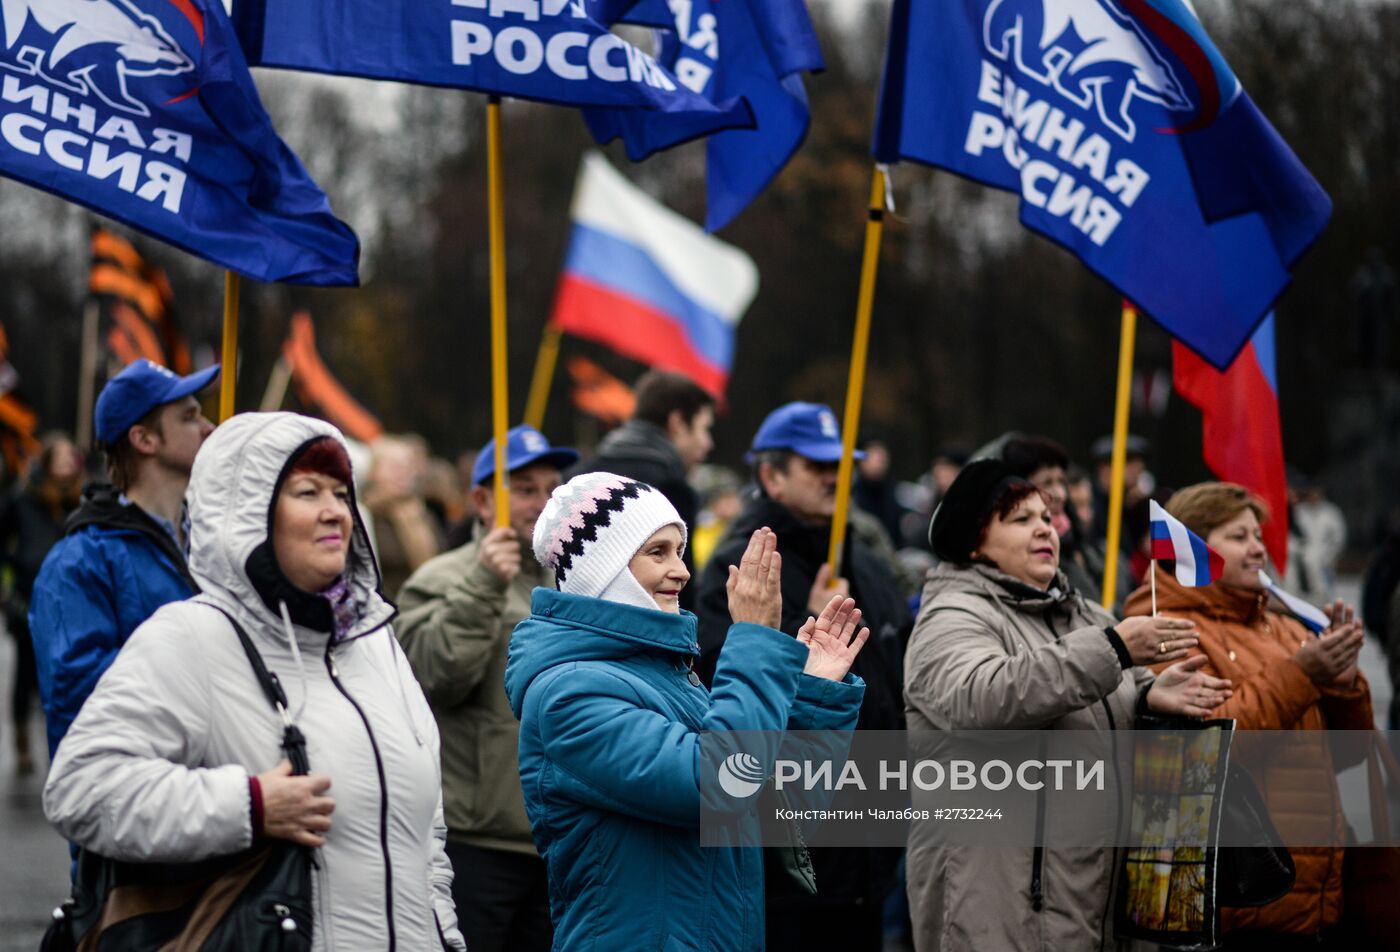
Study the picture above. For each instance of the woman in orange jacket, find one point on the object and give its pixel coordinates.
(1285, 679)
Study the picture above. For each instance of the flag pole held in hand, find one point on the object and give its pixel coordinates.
(500, 394)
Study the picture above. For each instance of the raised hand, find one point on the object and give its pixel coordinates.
(828, 637)
(755, 584)
(1184, 689)
(295, 808)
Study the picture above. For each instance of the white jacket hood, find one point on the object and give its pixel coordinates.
(235, 478)
(155, 768)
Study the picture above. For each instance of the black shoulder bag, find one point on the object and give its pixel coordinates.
(258, 898)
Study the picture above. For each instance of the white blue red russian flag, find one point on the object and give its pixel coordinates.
(1196, 563)
(1310, 615)
(650, 283)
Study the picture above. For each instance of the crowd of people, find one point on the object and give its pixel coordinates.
(502, 709)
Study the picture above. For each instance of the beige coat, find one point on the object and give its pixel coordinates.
(455, 621)
(989, 653)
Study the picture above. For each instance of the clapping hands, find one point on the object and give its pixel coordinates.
(1330, 660)
(1186, 690)
(833, 639)
(755, 584)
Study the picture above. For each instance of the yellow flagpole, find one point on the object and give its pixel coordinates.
(855, 384)
(543, 377)
(228, 371)
(1120, 455)
(500, 394)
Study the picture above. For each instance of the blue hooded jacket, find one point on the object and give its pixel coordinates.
(110, 573)
(610, 722)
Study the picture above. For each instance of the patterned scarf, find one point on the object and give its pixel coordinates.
(343, 611)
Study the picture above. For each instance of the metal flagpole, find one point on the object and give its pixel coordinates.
(1120, 455)
(228, 372)
(500, 393)
(855, 385)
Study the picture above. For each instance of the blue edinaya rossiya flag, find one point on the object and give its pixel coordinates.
(752, 53)
(655, 13)
(144, 110)
(546, 50)
(1129, 140)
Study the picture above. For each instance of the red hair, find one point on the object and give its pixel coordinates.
(324, 455)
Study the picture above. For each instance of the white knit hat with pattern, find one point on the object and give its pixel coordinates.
(593, 525)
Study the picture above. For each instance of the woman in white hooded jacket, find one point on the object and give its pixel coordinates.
(175, 756)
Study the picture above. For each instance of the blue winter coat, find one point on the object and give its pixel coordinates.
(609, 761)
(97, 584)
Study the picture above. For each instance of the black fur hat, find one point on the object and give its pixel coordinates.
(957, 522)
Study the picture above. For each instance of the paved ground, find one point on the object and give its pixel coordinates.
(33, 859)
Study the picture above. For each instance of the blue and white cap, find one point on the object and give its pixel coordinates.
(524, 445)
(807, 429)
(138, 390)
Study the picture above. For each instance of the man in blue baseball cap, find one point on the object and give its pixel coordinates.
(456, 614)
(123, 551)
(795, 456)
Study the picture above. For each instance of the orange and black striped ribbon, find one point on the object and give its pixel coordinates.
(121, 276)
(318, 388)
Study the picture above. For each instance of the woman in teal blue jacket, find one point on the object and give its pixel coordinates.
(611, 714)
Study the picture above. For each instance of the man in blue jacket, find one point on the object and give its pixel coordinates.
(123, 552)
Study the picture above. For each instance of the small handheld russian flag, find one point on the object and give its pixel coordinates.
(1316, 621)
(1196, 563)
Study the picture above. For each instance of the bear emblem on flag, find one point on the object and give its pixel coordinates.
(1087, 52)
(95, 47)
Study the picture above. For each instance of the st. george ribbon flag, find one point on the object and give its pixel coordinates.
(547, 50)
(1129, 140)
(753, 52)
(144, 111)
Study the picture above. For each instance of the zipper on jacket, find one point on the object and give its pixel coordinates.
(1038, 855)
(383, 799)
(1117, 821)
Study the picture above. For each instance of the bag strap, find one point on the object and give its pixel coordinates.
(293, 740)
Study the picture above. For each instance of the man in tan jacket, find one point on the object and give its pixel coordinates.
(457, 613)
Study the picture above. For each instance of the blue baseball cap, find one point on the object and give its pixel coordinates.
(807, 429)
(524, 445)
(138, 390)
